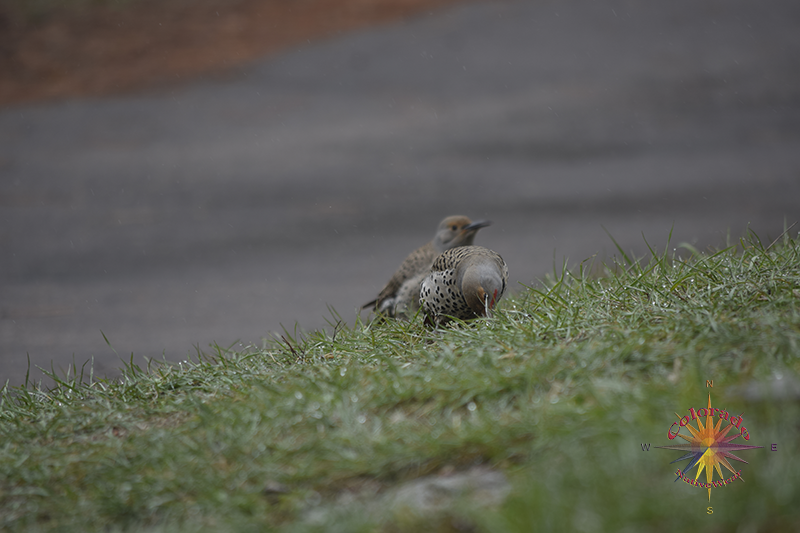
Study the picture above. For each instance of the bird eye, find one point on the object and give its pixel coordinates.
(454, 227)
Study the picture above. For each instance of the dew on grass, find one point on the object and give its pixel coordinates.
(471, 406)
(361, 419)
(298, 395)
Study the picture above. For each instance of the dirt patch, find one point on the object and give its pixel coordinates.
(103, 49)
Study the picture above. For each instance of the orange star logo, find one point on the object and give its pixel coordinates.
(708, 446)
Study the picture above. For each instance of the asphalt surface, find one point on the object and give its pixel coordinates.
(220, 210)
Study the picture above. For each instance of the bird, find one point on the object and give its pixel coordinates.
(464, 283)
(400, 296)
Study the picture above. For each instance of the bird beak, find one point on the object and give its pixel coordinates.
(489, 302)
(475, 226)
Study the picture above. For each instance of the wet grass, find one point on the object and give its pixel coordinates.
(558, 391)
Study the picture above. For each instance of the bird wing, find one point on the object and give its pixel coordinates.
(450, 258)
(417, 261)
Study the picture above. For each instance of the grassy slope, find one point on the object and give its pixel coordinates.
(558, 391)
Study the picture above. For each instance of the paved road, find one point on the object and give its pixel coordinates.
(219, 210)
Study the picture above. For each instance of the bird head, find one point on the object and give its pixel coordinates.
(457, 231)
(482, 286)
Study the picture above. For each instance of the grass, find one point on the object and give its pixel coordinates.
(556, 394)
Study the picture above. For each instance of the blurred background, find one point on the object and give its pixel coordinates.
(178, 173)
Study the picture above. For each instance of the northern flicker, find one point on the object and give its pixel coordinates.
(464, 283)
(400, 297)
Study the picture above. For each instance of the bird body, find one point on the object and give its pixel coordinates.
(464, 283)
(400, 296)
